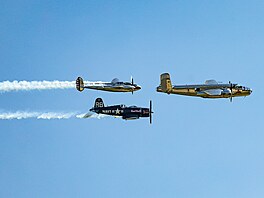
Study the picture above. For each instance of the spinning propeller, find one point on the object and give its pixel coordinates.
(231, 89)
(150, 112)
(132, 82)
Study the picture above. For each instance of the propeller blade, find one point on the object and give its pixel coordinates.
(150, 112)
(132, 82)
(231, 90)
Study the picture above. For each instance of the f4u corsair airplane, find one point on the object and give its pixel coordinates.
(127, 113)
(211, 89)
(114, 86)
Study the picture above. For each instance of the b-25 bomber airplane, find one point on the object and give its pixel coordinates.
(210, 89)
(114, 86)
(127, 113)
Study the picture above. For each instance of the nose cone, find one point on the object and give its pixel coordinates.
(137, 88)
(250, 91)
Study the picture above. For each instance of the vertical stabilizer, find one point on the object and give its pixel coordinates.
(79, 84)
(165, 83)
(98, 103)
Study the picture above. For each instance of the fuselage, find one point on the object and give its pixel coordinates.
(132, 112)
(207, 90)
(113, 87)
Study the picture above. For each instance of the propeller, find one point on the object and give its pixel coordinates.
(132, 82)
(150, 112)
(231, 89)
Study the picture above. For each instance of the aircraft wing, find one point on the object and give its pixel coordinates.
(87, 115)
(130, 117)
(115, 116)
(213, 92)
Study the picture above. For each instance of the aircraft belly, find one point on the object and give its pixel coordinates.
(112, 89)
(186, 92)
(215, 96)
(242, 93)
(130, 118)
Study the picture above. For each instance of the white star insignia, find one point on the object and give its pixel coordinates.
(117, 111)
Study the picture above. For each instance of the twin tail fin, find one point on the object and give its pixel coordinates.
(79, 84)
(165, 83)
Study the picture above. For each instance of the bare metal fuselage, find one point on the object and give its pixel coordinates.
(112, 87)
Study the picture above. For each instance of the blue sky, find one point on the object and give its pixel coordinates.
(195, 147)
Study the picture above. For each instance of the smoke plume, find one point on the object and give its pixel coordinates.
(46, 115)
(7, 86)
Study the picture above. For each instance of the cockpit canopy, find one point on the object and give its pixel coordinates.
(242, 88)
(115, 80)
(133, 106)
(118, 82)
(121, 83)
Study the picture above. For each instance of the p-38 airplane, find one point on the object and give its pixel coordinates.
(114, 86)
(127, 113)
(210, 89)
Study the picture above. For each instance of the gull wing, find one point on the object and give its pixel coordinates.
(211, 82)
(213, 92)
(130, 117)
(87, 115)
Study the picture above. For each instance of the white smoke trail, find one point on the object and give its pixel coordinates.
(46, 115)
(7, 86)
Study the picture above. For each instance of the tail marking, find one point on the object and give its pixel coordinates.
(165, 83)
